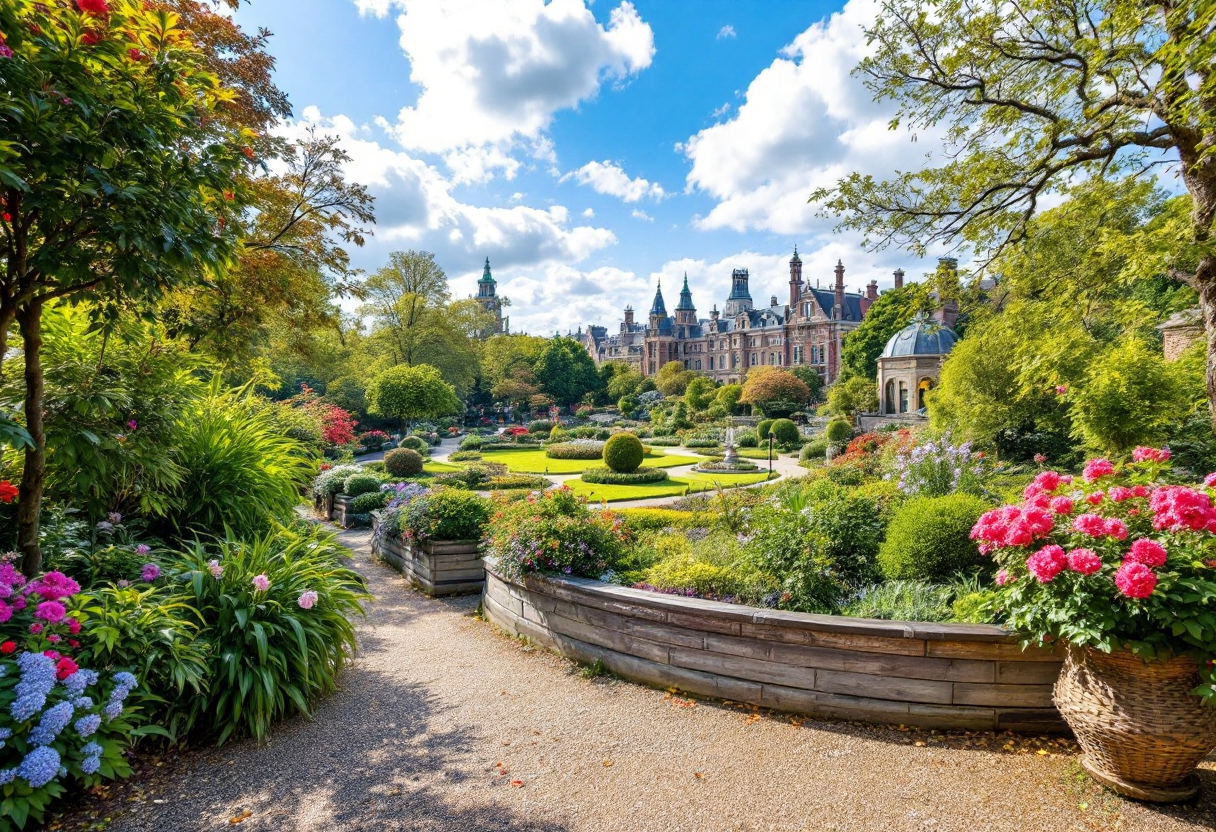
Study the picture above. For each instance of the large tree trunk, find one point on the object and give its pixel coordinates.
(1205, 284)
(29, 499)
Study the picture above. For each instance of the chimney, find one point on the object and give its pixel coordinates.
(872, 290)
(899, 278)
(838, 310)
(628, 317)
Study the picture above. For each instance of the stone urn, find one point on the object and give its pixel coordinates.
(1141, 729)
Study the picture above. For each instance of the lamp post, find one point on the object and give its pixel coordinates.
(770, 454)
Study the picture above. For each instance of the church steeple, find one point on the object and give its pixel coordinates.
(686, 313)
(487, 296)
(486, 287)
(658, 307)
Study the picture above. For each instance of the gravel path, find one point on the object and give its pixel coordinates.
(445, 724)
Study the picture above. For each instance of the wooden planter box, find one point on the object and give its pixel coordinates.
(435, 567)
(340, 511)
(323, 505)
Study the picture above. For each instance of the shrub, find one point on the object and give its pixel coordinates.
(540, 426)
(938, 467)
(376, 467)
(838, 431)
(334, 480)
(360, 483)
(701, 442)
(514, 481)
(685, 574)
(446, 514)
(655, 519)
(638, 476)
(929, 538)
(414, 443)
(784, 432)
(815, 449)
(368, 502)
(558, 433)
(624, 453)
(903, 601)
(472, 442)
(403, 462)
(748, 439)
(763, 428)
(578, 449)
(464, 456)
(664, 442)
(554, 532)
(271, 651)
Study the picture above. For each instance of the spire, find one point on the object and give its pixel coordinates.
(795, 258)
(685, 297)
(486, 277)
(658, 307)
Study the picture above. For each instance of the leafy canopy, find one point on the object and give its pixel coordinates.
(412, 393)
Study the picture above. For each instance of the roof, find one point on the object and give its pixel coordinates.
(826, 298)
(1186, 319)
(921, 337)
(658, 307)
(686, 296)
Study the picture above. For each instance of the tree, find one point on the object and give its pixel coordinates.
(565, 371)
(852, 396)
(699, 393)
(412, 393)
(811, 379)
(672, 379)
(624, 383)
(1029, 96)
(893, 311)
(774, 390)
(115, 180)
(728, 396)
(510, 357)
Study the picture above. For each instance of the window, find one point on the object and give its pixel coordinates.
(698, 364)
(755, 359)
(890, 399)
(734, 361)
(798, 354)
(903, 397)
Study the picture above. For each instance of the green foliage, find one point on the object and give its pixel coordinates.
(565, 371)
(686, 574)
(728, 396)
(672, 379)
(238, 471)
(415, 443)
(784, 432)
(361, 483)
(624, 384)
(403, 462)
(624, 453)
(903, 601)
(815, 449)
(851, 396)
(472, 442)
(368, 502)
(412, 393)
(446, 514)
(555, 532)
(699, 393)
(268, 657)
(508, 482)
(774, 390)
(607, 476)
(838, 431)
(762, 429)
(894, 309)
(578, 449)
(655, 519)
(748, 439)
(334, 480)
(811, 378)
(465, 456)
(929, 539)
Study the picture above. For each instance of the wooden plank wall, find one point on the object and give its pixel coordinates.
(444, 568)
(950, 676)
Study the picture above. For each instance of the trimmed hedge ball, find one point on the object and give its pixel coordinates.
(762, 429)
(784, 432)
(413, 443)
(838, 430)
(357, 484)
(403, 462)
(929, 539)
(623, 453)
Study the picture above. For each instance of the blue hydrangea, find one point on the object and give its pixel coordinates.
(86, 726)
(5, 733)
(37, 675)
(39, 766)
(53, 721)
(125, 680)
(7, 775)
(83, 703)
(89, 765)
(113, 710)
(78, 681)
(24, 708)
(91, 749)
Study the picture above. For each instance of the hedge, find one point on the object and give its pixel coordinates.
(623, 453)
(638, 476)
(579, 449)
(929, 539)
(403, 462)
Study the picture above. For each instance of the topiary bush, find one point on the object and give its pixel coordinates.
(929, 539)
(540, 426)
(514, 481)
(472, 442)
(748, 439)
(368, 502)
(623, 453)
(815, 449)
(638, 476)
(784, 432)
(403, 462)
(414, 443)
(763, 428)
(838, 431)
(446, 514)
(578, 449)
(360, 483)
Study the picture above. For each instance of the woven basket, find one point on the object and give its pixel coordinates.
(1142, 730)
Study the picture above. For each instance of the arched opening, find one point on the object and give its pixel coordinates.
(890, 398)
(903, 397)
(923, 387)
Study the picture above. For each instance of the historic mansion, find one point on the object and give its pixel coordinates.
(807, 330)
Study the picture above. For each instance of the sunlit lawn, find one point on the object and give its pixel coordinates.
(693, 483)
(534, 461)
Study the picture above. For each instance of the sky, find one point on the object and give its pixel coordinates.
(592, 148)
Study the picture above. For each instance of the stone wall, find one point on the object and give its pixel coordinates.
(955, 676)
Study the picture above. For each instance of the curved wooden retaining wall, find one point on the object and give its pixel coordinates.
(927, 675)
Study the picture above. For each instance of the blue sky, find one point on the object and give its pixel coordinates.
(590, 150)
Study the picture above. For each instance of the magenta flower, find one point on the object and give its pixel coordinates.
(150, 572)
(1095, 469)
(1135, 580)
(143, 549)
(132, 424)
(1148, 552)
(50, 611)
(261, 583)
(307, 599)
(1085, 561)
(1046, 563)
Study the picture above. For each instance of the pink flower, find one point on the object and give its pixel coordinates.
(213, 566)
(35, 628)
(1046, 563)
(1116, 529)
(1118, 493)
(307, 599)
(54, 638)
(64, 668)
(1002, 577)
(1141, 491)
(5, 51)
(1061, 505)
(1148, 552)
(150, 572)
(73, 626)
(1095, 469)
(1210, 480)
(1085, 561)
(97, 7)
(1143, 454)
(143, 549)
(51, 612)
(1095, 498)
(133, 425)
(1040, 459)
(261, 583)
(1061, 389)
(1135, 580)
(1176, 508)
(1048, 480)
(6, 612)
(1093, 525)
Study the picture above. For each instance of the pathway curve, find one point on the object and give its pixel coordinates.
(445, 725)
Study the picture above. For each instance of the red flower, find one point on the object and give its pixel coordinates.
(97, 7)
(64, 668)
(248, 151)
(7, 216)
(135, 54)
(8, 647)
(8, 491)
(89, 39)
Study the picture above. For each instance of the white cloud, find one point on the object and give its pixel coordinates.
(415, 207)
(726, 31)
(492, 74)
(588, 212)
(609, 178)
(718, 113)
(805, 122)
(639, 214)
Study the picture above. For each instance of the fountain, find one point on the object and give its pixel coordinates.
(731, 462)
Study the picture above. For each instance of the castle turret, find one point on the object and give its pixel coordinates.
(740, 299)
(686, 313)
(628, 325)
(795, 279)
(838, 309)
(658, 309)
(487, 296)
(899, 278)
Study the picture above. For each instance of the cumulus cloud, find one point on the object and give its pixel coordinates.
(639, 214)
(726, 31)
(804, 122)
(588, 212)
(493, 74)
(609, 178)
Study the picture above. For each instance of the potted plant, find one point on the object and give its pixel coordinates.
(1119, 569)
(442, 531)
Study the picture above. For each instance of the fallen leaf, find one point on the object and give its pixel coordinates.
(919, 744)
(516, 784)
(607, 763)
(241, 818)
(698, 775)
(1042, 752)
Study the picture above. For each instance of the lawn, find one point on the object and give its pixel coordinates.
(676, 486)
(534, 461)
(745, 453)
(431, 467)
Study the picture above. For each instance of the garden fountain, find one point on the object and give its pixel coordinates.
(731, 462)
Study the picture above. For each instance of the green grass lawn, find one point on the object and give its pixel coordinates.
(431, 467)
(693, 483)
(534, 461)
(745, 453)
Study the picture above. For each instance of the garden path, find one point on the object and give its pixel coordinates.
(445, 725)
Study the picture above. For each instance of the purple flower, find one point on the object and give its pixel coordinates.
(53, 721)
(307, 599)
(261, 583)
(213, 566)
(114, 517)
(50, 611)
(86, 726)
(90, 765)
(143, 549)
(132, 424)
(150, 572)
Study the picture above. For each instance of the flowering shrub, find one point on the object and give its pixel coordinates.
(333, 480)
(373, 440)
(445, 514)
(937, 467)
(59, 722)
(553, 532)
(1111, 560)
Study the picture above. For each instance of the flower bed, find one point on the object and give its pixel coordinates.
(957, 676)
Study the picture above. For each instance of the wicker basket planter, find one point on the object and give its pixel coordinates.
(1142, 730)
